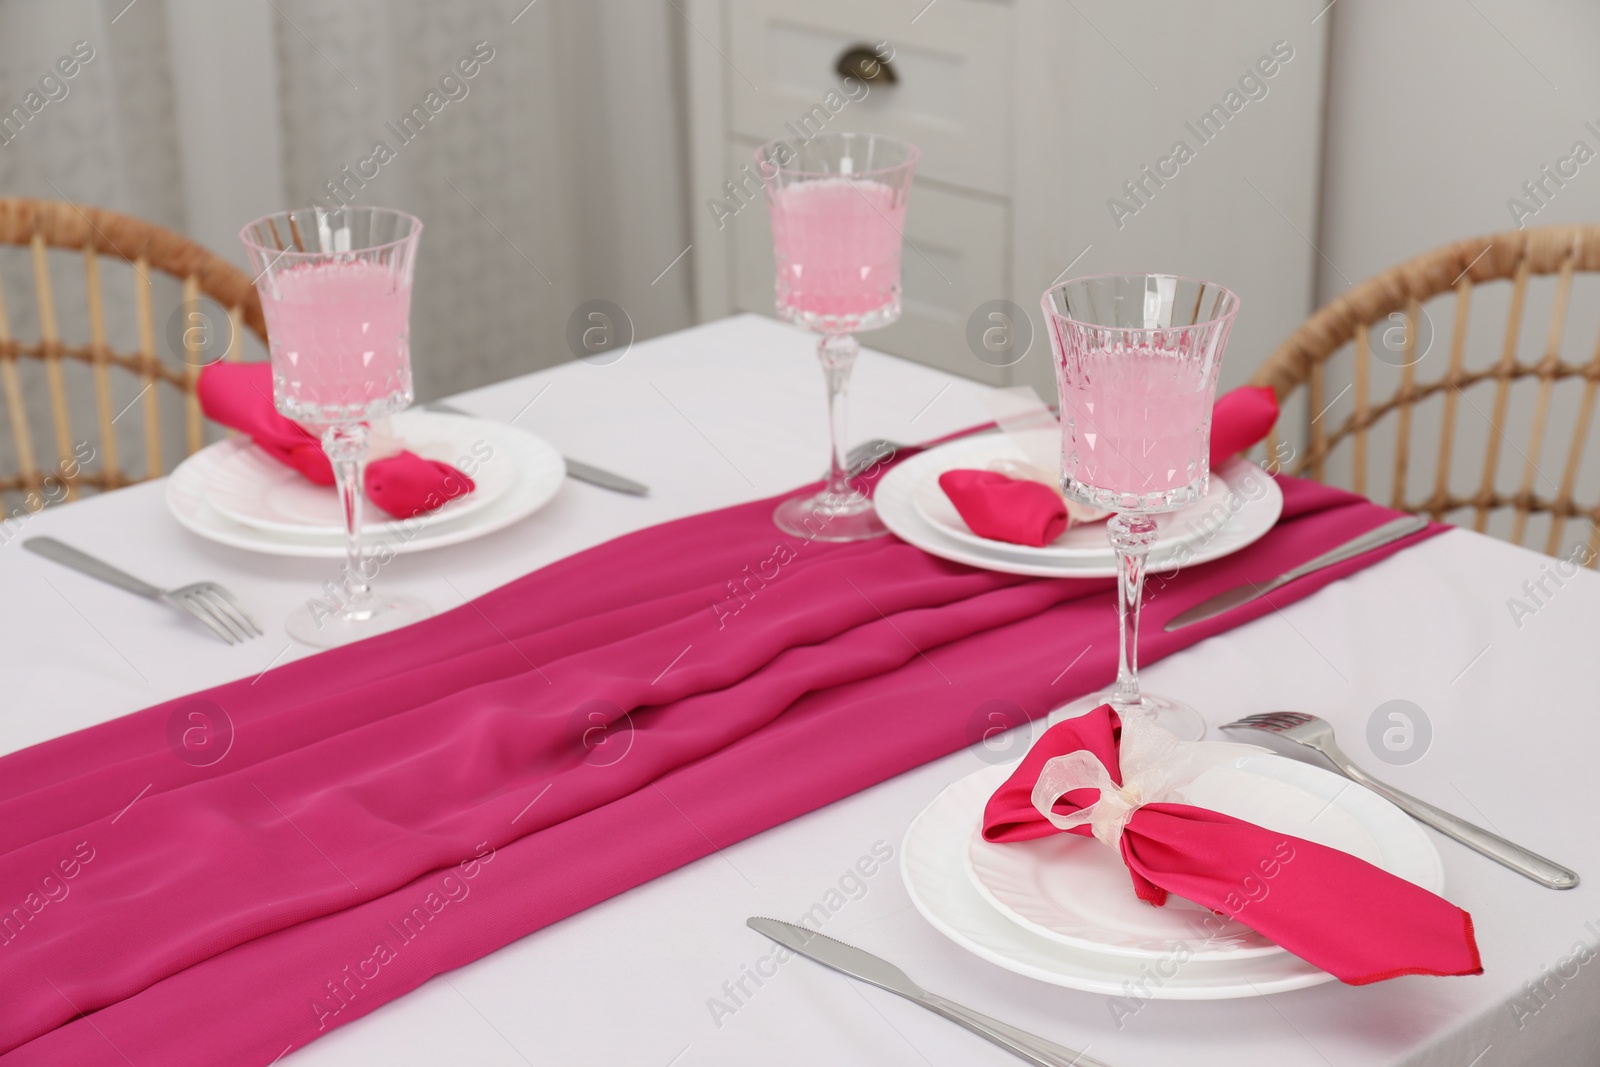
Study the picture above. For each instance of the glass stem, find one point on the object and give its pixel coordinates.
(1132, 537)
(838, 355)
(346, 446)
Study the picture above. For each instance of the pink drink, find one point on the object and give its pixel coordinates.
(838, 251)
(1135, 427)
(339, 337)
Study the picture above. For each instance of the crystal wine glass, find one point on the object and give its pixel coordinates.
(838, 206)
(1136, 359)
(336, 293)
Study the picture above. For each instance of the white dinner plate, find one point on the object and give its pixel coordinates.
(1228, 522)
(1075, 891)
(533, 467)
(250, 487)
(934, 868)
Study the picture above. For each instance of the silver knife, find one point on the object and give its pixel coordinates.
(858, 963)
(584, 472)
(1388, 533)
(605, 479)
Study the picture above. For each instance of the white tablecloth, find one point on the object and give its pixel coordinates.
(663, 974)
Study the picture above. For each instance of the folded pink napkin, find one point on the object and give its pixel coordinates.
(1002, 508)
(1024, 512)
(239, 396)
(1239, 419)
(1355, 921)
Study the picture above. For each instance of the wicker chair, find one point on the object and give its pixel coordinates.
(46, 224)
(1304, 358)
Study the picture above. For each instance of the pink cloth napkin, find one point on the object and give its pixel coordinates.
(1355, 921)
(1240, 419)
(1003, 508)
(239, 396)
(1025, 512)
(385, 812)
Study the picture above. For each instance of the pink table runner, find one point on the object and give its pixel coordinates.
(398, 808)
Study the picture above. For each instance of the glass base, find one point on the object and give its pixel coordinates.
(1154, 503)
(1173, 716)
(316, 624)
(828, 518)
(286, 398)
(877, 318)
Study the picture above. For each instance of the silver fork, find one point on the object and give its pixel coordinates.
(206, 601)
(1317, 734)
(878, 449)
(864, 455)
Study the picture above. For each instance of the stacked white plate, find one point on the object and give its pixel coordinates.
(1062, 908)
(1242, 505)
(234, 493)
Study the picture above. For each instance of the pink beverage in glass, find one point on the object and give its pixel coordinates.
(339, 340)
(1137, 358)
(837, 244)
(837, 203)
(1136, 422)
(335, 287)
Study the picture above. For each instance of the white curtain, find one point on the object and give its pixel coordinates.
(553, 176)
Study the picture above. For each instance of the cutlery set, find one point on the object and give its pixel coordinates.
(1306, 732)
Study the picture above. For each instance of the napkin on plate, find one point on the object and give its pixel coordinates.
(1341, 913)
(1026, 511)
(1002, 508)
(1239, 419)
(239, 396)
